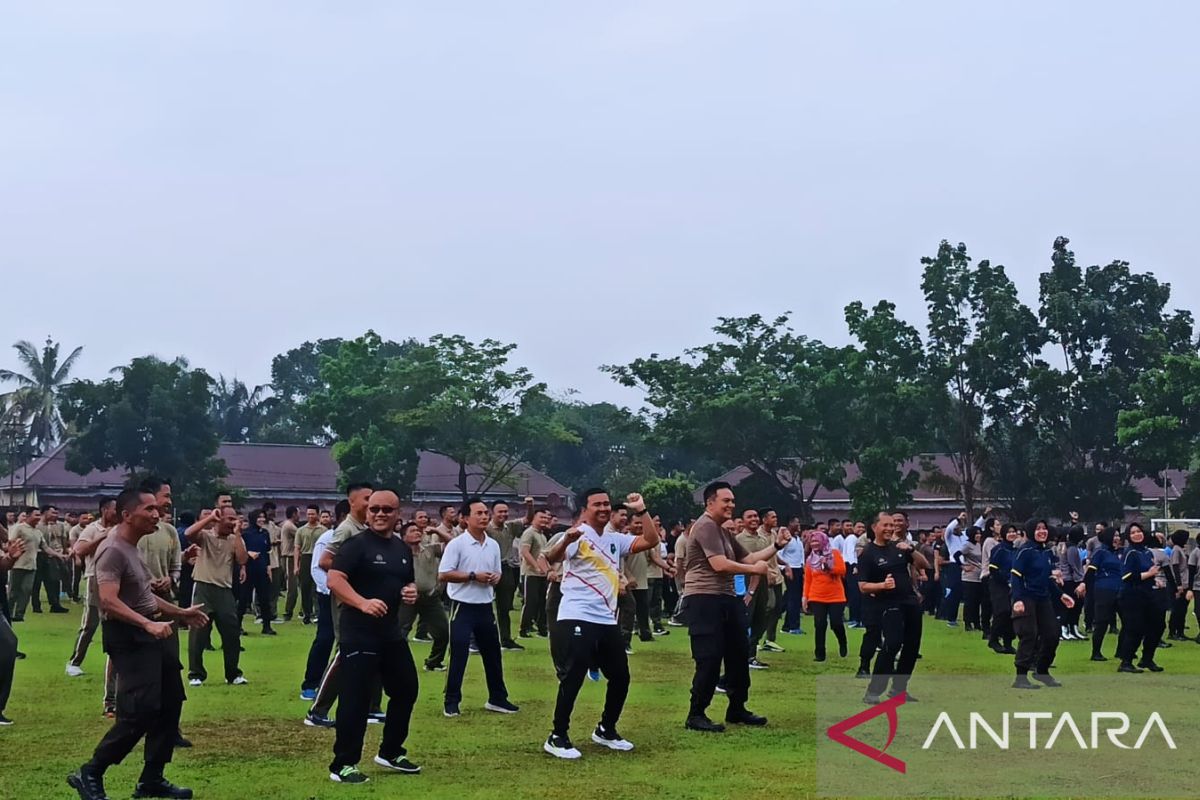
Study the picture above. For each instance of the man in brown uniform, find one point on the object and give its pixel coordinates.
(757, 598)
(212, 580)
(303, 542)
(52, 562)
(426, 557)
(139, 637)
(508, 534)
(716, 618)
(285, 577)
(90, 538)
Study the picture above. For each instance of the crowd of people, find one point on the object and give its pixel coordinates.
(369, 580)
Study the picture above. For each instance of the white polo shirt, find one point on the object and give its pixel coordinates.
(320, 577)
(465, 554)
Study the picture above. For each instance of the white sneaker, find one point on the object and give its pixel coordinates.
(74, 671)
(240, 680)
(561, 747)
(613, 742)
(195, 682)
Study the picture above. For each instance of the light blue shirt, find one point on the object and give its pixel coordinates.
(793, 554)
(319, 576)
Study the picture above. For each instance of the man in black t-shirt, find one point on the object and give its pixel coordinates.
(372, 574)
(890, 605)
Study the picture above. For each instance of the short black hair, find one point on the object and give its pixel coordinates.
(49, 506)
(32, 510)
(1180, 537)
(313, 507)
(442, 509)
(498, 503)
(832, 520)
(152, 484)
(290, 511)
(711, 490)
(746, 511)
(405, 526)
(465, 509)
(341, 509)
(581, 499)
(104, 502)
(762, 512)
(128, 500)
(222, 493)
(269, 506)
(354, 487)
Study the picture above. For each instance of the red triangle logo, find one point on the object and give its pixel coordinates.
(838, 732)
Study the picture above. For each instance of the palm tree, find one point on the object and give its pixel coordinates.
(237, 411)
(35, 400)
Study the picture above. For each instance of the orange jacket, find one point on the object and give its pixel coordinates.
(825, 587)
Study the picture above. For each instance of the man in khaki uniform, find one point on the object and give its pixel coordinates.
(770, 521)
(757, 598)
(303, 541)
(77, 565)
(426, 558)
(23, 571)
(212, 580)
(533, 576)
(85, 547)
(51, 564)
(508, 534)
(287, 575)
(160, 550)
(278, 581)
(637, 572)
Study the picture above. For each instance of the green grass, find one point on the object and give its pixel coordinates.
(250, 740)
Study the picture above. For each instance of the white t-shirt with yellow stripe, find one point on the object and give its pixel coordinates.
(591, 578)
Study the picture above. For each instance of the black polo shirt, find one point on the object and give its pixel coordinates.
(378, 569)
(874, 565)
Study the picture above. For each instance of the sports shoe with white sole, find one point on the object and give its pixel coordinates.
(610, 739)
(195, 682)
(398, 764)
(74, 671)
(501, 707)
(348, 775)
(561, 747)
(240, 680)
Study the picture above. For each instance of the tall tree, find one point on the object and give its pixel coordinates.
(239, 413)
(1108, 324)
(360, 391)
(473, 409)
(153, 418)
(982, 345)
(756, 398)
(36, 399)
(671, 498)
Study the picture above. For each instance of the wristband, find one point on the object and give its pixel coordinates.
(471, 578)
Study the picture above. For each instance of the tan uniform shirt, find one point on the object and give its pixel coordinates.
(350, 527)
(56, 536)
(287, 538)
(274, 537)
(536, 540)
(33, 538)
(425, 567)
(306, 538)
(160, 550)
(508, 537)
(90, 534)
(214, 565)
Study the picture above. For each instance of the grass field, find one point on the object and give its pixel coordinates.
(250, 742)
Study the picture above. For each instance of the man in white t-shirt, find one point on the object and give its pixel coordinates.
(588, 613)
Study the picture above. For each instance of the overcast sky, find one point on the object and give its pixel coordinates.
(593, 181)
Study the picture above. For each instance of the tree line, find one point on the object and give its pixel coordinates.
(1040, 409)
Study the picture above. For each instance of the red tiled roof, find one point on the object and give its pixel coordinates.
(289, 468)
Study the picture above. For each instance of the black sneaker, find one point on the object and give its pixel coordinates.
(862, 674)
(451, 710)
(1023, 682)
(756, 664)
(435, 667)
(608, 737)
(561, 747)
(182, 741)
(5, 721)
(399, 764)
(501, 707)
(269, 632)
(820, 657)
(351, 774)
(1150, 665)
(376, 718)
(1009, 650)
(842, 651)
(510, 646)
(745, 717)
(161, 788)
(1098, 657)
(872, 699)
(89, 785)
(314, 720)
(1127, 666)
(700, 722)
(1046, 679)
(60, 610)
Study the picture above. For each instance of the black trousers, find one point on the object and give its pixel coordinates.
(656, 601)
(972, 600)
(951, 592)
(641, 603)
(932, 594)
(1037, 630)
(149, 698)
(774, 611)
(853, 594)
(717, 627)
(1002, 633)
(363, 666)
(478, 621)
(559, 631)
(8, 661)
(826, 615)
(1068, 616)
(506, 592)
(794, 599)
(587, 645)
(322, 646)
(986, 610)
(872, 636)
(1141, 626)
(258, 589)
(757, 610)
(534, 613)
(1104, 613)
(47, 575)
(1179, 606)
(900, 642)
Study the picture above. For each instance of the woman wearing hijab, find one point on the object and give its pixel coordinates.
(1140, 617)
(1034, 586)
(824, 592)
(1103, 583)
(1000, 566)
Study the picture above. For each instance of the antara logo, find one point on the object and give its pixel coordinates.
(1113, 724)
(838, 732)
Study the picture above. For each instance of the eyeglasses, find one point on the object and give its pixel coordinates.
(381, 509)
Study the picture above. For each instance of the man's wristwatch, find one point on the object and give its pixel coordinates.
(471, 577)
